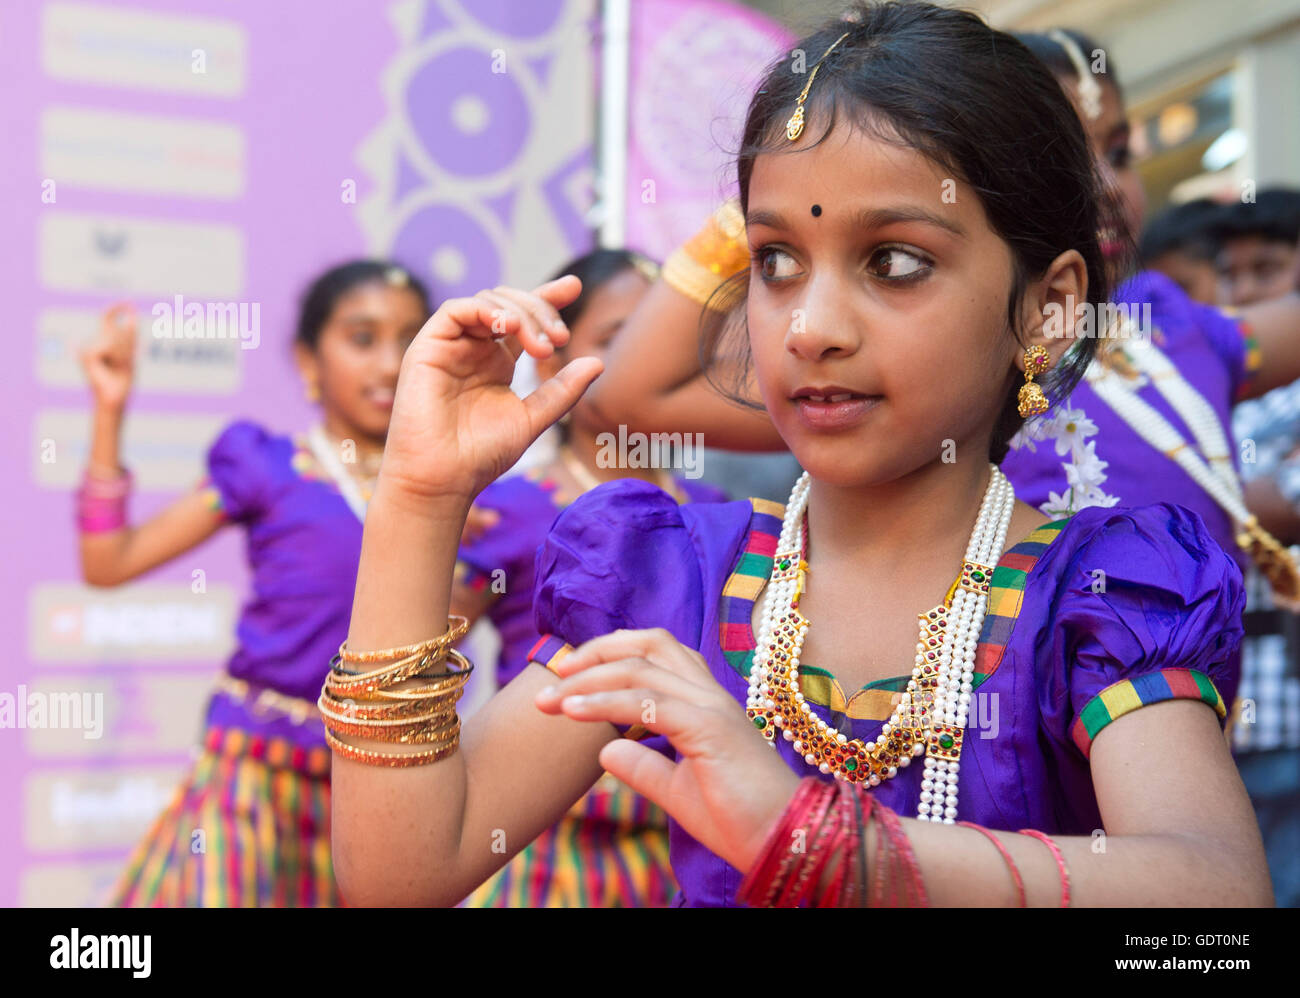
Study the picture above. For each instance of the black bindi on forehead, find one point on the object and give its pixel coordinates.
(817, 211)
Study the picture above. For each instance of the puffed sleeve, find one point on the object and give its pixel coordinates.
(1148, 608)
(239, 470)
(619, 557)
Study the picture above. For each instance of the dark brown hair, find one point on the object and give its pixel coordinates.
(972, 99)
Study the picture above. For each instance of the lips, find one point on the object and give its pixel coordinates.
(380, 397)
(832, 407)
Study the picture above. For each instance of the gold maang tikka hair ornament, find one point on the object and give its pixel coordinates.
(794, 127)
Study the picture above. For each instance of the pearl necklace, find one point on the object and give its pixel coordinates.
(1218, 478)
(931, 715)
(355, 494)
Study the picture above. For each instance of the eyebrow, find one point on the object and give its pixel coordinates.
(868, 218)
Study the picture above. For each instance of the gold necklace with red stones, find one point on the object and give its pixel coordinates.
(931, 715)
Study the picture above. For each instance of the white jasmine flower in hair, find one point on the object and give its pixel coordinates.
(1094, 497)
(1086, 471)
(1032, 429)
(1057, 505)
(1070, 427)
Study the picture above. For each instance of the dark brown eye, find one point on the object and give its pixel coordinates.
(896, 263)
(775, 264)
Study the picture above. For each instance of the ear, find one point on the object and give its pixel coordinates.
(308, 365)
(1049, 312)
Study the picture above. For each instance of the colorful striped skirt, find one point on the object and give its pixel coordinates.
(249, 828)
(609, 851)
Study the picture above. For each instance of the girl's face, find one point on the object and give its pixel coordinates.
(608, 309)
(1108, 135)
(359, 354)
(877, 308)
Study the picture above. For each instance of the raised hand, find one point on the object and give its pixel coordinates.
(109, 359)
(456, 424)
(727, 787)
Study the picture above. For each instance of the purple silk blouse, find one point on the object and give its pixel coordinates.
(303, 545)
(1057, 660)
(506, 555)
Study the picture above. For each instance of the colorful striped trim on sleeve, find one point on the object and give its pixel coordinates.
(548, 652)
(211, 495)
(736, 635)
(1006, 595)
(1128, 695)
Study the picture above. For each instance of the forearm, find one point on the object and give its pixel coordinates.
(1275, 513)
(655, 353)
(105, 439)
(394, 828)
(1275, 325)
(110, 558)
(960, 867)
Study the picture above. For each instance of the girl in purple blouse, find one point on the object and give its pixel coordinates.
(260, 787)
(913, 205)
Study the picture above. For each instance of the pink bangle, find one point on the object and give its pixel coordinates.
(118, 486)
(1060, 863)
(101, 505)
(1011, 865)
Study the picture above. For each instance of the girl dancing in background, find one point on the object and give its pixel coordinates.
(923, 323)
(259, 790)
(611, 849)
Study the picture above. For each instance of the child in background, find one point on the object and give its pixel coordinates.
(1180, 243)
(1258, 257)
(259, 791)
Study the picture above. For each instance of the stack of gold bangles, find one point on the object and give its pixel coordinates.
(377, 704)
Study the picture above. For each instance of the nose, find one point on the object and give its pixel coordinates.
(822, 325)
(390, 358)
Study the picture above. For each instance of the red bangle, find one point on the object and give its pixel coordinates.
(843, 829)
(1060, 863)
(820, 824)
(911, 892)
(1011, 865)
(810, 816)
(757, 882)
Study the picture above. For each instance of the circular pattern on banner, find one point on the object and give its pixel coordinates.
(690, 93)
(468, 120)
(451, 248)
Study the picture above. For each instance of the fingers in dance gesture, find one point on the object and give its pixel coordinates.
(727, 787)
(109, 359)
(457, 426)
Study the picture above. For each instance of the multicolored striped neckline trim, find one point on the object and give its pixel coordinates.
(875, 700)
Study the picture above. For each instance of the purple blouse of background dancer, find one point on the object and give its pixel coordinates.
(304, 543)
(1212, 353)
(1057, 660)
